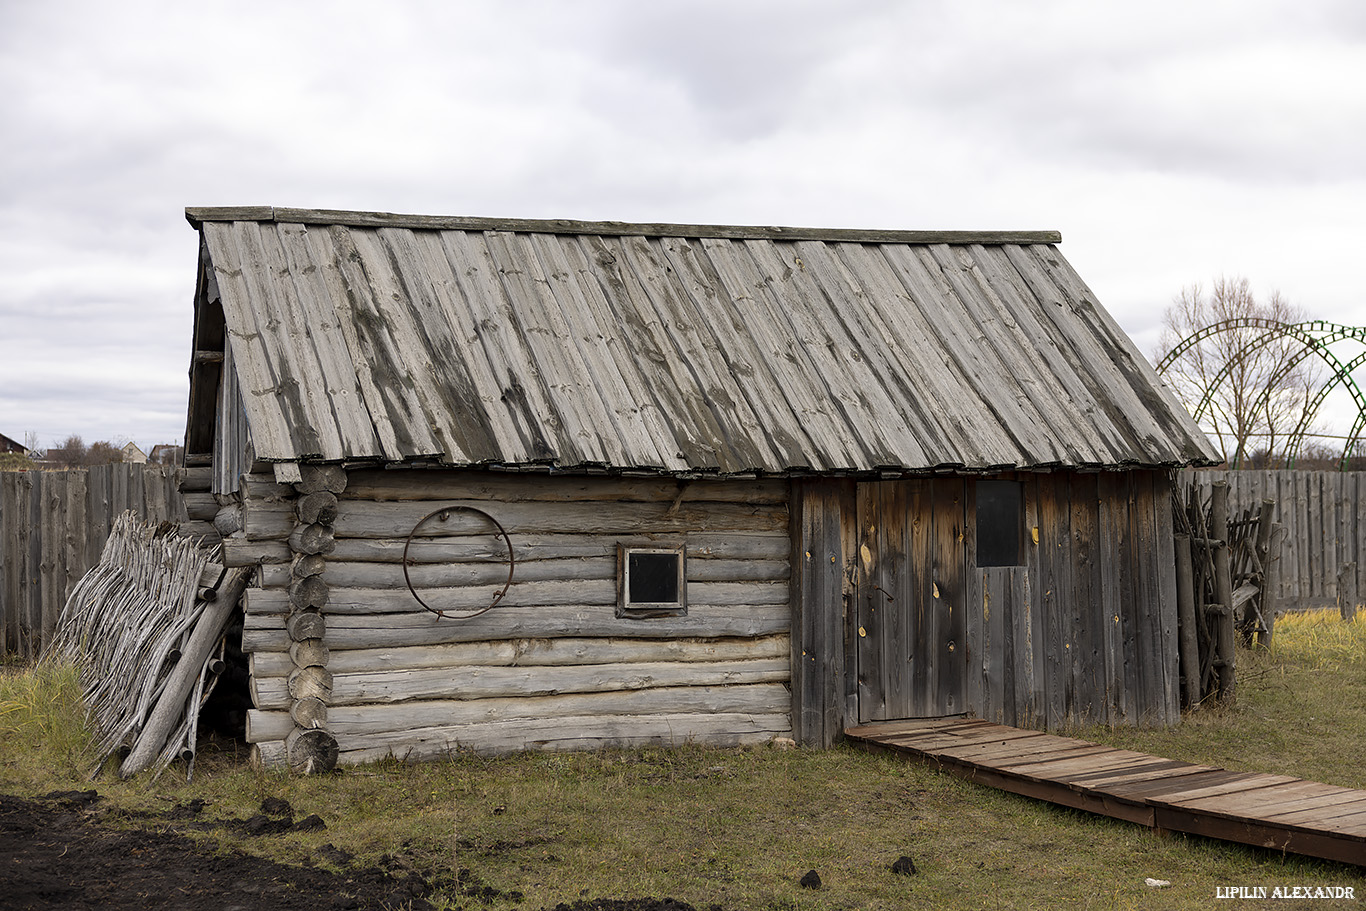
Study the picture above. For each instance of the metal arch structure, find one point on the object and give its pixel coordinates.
(1316, 336)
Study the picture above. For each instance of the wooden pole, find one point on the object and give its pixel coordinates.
(1225, 661)
(172, 702)
(1347, 591)
(1271, 583)
(1186, 630)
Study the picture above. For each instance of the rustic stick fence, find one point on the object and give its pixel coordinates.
(53, 528)
(1323, 558)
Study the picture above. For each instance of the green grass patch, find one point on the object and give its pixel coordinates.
(43, 734)
(738, 828)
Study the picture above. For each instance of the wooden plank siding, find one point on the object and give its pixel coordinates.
(552, 665)
(1082, 632)
(1324, 513)
(53, 527)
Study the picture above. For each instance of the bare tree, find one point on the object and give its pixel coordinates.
(71, 454)
(102, 453)
(1253, 381)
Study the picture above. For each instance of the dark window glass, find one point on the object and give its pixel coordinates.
(652, 578)
(1000, 505)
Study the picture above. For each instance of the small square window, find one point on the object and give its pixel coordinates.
(1000, 520)
(651, 582)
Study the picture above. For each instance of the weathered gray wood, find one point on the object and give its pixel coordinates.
(170, 704)
(311, 539)
(201, 505)
(317, 508)
(228, 520)
(1225, 654)
(1185, 602)
(308, 653)
(754, 699)
(367, 519)
(306, 624)
(1272, 586)
(571, 733)
(319, 478)
(1052, 553)
(270, 756)
(195, 479)
(816, 657)
(307, 713)
(302, 683)
(485, 682)
(267, 633)
(1164, 499)
(1347, 591)
(238, 551)
(197, 216)
(528, 652)
(938, 546)
(308, 593)
(1112, 529)
(311, 752)
(343, 601)
(265, 487)
(771, 545)
(304, 566)
(495, 572)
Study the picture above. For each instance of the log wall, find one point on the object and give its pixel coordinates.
(551, 666)
(53, 527)
(1324, 513)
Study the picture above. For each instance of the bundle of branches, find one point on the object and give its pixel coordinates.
(143, 626)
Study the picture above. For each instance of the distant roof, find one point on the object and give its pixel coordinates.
(677, 348)
(11, 445)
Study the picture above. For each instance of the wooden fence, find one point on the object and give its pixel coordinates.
(53, 526)
(1324, 513)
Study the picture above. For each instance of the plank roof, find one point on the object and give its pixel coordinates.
(368, 337)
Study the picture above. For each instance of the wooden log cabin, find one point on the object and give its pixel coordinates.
(520, 484)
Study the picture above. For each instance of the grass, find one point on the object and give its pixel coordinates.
(738, 828)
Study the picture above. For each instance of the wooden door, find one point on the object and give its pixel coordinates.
(912, 659)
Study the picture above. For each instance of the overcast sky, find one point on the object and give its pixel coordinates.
(1170, 142)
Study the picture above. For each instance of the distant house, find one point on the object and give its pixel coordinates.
(10, 445)
(131, 453)
(553, 485)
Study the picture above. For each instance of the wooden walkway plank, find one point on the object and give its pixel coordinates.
(996, 753)
(1151, 772)
(1258, 803)
(1321, 808)
(1161, 788)
(1279, 812)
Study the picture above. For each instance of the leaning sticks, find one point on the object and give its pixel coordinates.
(142, 626)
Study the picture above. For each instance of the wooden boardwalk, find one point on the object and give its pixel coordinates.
(1270, 811)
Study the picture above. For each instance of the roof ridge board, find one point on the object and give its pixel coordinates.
(198, 215)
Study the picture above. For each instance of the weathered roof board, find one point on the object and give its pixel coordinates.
(685, 349)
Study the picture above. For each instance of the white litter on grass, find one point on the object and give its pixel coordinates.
(1156, 883)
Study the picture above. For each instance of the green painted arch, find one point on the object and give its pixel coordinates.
(1315, 335)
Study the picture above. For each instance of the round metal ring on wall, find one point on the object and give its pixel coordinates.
(443, 514)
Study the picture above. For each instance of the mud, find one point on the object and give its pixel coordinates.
(64, 851)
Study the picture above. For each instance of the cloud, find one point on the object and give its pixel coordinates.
(1169, 141)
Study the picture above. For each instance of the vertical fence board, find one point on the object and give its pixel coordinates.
(53, 525)
(1325, 516)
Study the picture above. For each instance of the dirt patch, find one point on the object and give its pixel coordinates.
(61, 851)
